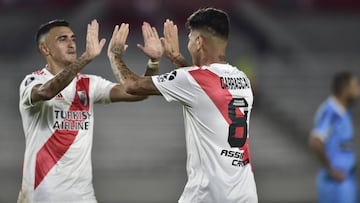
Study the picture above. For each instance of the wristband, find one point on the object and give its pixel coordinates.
(153, 65)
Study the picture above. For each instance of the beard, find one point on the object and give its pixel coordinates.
(351, 101)
(69, 60)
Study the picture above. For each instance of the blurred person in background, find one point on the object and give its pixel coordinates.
(332, 142)
(217, 101)
(56, 106)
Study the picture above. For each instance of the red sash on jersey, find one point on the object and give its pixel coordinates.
(61, 140)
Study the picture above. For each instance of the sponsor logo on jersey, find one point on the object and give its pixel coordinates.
(71, 120)
(236, 156)
(167, 76)
(59, 97)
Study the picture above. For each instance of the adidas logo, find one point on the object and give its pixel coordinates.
(59, 97)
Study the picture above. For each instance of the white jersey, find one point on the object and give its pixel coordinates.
(217, 101)
(59, 134)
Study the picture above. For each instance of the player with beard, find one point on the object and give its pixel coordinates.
(56, 106)
(332, 142)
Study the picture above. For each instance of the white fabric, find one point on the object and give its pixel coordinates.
(212, 177)
(70, 179)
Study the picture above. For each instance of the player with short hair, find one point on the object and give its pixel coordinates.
(217, 101)
(56, 106)
(332, 142)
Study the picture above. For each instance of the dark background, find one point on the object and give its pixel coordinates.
(289, 48)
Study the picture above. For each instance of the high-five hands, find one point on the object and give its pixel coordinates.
(152, 45)
(170, 41)
(93, 45)
(117, 45)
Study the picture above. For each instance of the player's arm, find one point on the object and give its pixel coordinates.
(152, 49)
(170, 42)
(132, 83)
(52, 87)
(317, 144)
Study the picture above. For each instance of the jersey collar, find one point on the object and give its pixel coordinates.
(341, 110)
(47, 71)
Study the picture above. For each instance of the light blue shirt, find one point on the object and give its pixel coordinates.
(333, 125)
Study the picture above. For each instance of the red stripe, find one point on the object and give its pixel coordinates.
(61, 140)
(210, 83)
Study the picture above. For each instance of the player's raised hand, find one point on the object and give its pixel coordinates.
(170, 41)
(93, 45)
(117, 45)
(152, 45)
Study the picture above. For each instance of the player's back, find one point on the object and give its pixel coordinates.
(217, 101)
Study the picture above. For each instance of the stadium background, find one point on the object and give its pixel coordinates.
(290, 49)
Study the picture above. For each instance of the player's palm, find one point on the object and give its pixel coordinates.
(170, 41)
(152, 45)
(117, 45)
(93, 45)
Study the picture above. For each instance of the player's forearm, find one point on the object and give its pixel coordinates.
(122, 73)
(152, 68)
(116, 71)
(61, 80)
(318, 147)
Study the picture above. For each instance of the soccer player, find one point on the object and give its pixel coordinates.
(56, 106)
(216, 99)
(332, 142)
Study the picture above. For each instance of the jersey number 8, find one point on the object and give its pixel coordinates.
(238, 128)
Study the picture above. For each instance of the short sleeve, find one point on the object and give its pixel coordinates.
(323, 123)
(101, 89)
(26, 87)
(175, 86)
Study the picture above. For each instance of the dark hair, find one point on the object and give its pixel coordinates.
(213, 20)
(340, 81)
(46, 27)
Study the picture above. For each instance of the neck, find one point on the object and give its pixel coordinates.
(342, 101)
(216, 57)
(54, 68)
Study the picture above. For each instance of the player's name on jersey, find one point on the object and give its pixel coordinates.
(232, 83)
(237, 155)
(71, 120)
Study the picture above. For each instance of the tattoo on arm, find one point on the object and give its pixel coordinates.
(124, 72)
(62, 79)
(180, 61)
(120, 70)
(52, 87)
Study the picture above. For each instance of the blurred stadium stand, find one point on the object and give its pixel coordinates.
(294, 48)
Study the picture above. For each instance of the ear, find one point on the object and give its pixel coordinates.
(199, 43)
(44, 49)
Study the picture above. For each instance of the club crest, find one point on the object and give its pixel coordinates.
(83, 97)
